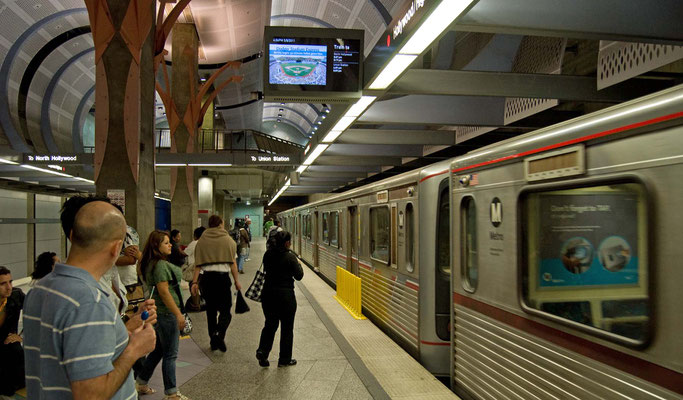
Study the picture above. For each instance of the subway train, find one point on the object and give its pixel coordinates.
(544, 266)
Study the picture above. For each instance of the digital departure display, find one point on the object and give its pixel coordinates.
(319, 62)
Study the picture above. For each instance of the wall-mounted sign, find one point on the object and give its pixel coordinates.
(54, 159)
(416, 5)
(271, 159)
(118, 197)
(383, 196)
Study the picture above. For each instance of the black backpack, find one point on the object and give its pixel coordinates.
(235, 234)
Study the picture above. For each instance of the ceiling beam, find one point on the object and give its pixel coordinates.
(397, 136)
(352, 175)
(505, 84)
(372, 150)
(342, 168)
(376, 161)
(633, 20)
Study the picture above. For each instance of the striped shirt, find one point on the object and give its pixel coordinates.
(71, 333)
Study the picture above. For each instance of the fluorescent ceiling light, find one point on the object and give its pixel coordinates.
(357, 109)
(287, 183)
(331, 136)
(315, 153)
(301, 168)
(84, 180)
(47, 171)
(444, 15)
(209, 165)
(343, 123)
(6, 161)
(170, 165)
(392, 70)
(162, 198)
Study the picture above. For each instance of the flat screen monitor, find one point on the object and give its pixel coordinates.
(312, 64)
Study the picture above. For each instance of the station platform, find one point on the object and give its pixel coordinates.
(338, 356)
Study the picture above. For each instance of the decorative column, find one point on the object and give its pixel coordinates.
(185, 57)
(124, 36)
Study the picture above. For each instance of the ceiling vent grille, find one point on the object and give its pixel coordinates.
(619, 61)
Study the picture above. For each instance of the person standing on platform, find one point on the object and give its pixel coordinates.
(248, 228)
(215, 256)
(194, 304)
(266, 227)
(11, 352)
(75, 343)
(277, 298)
(242, 248)
(164, 279)
(177, 256)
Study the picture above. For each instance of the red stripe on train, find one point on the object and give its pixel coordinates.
(435, 343)
(413, 285)
(577, 140)
(635, 366)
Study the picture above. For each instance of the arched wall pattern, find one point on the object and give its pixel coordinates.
(31, 70)
(288, 122)
(77, 126)
(15, 139)
(45, 123)
(295, 111)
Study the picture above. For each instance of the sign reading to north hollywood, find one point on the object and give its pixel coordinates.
(55, 159)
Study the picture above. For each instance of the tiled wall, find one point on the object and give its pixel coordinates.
(14, 237)
(48, 236)
(13, 244)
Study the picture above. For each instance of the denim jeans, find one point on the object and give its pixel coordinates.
(240, 261)
(166, 349)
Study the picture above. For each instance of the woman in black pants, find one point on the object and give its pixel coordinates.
(279, 303)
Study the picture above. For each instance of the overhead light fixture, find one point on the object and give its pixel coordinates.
(323, 116)
(331, 136)
(327, 110)
(282, 109)
(161, 198)
(47, 171)
(319, 122)
(392, 70)
(84, 180)
(279, 120)
(6, 161)
(209, 165)
(343, 123)
(282, 104)
(171, 165)
(315, 128)
(248, 203)
(440, 19)
(357, 109)
(315, 153)
(301, 168)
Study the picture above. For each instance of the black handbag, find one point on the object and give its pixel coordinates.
(241, 305)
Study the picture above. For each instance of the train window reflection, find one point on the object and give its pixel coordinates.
(585, 258)
(380, 230)
(410, 237)
(326, 231)
(334, 229)
(470, 262)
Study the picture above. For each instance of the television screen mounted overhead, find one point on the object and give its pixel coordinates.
(312, 64)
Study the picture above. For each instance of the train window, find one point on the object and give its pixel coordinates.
(326, 230)
(585, 258)
(470, 262)
(443, 234)
(334, 229)
(380, 233)
(409, 224)
(309, 228)
(394, 237)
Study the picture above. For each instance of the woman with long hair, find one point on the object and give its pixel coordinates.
(278, 300)
(44, 264)
(162, 277)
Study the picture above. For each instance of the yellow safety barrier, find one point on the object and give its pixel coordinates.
(348, 292)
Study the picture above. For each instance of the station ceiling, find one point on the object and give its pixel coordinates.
(503, 69)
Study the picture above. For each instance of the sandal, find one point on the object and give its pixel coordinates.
(176, 396)
(144, 389)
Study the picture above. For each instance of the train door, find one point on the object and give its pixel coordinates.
(442, 306)
(315, 241)
(352, 240)
(300, 233)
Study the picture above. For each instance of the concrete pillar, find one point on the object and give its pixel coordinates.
(123, 32)
(184, 81)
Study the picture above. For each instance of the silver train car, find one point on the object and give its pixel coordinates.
(543, 267)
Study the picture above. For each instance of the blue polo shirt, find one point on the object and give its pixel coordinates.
(71, 333)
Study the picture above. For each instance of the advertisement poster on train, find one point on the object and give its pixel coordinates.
(588, 240)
